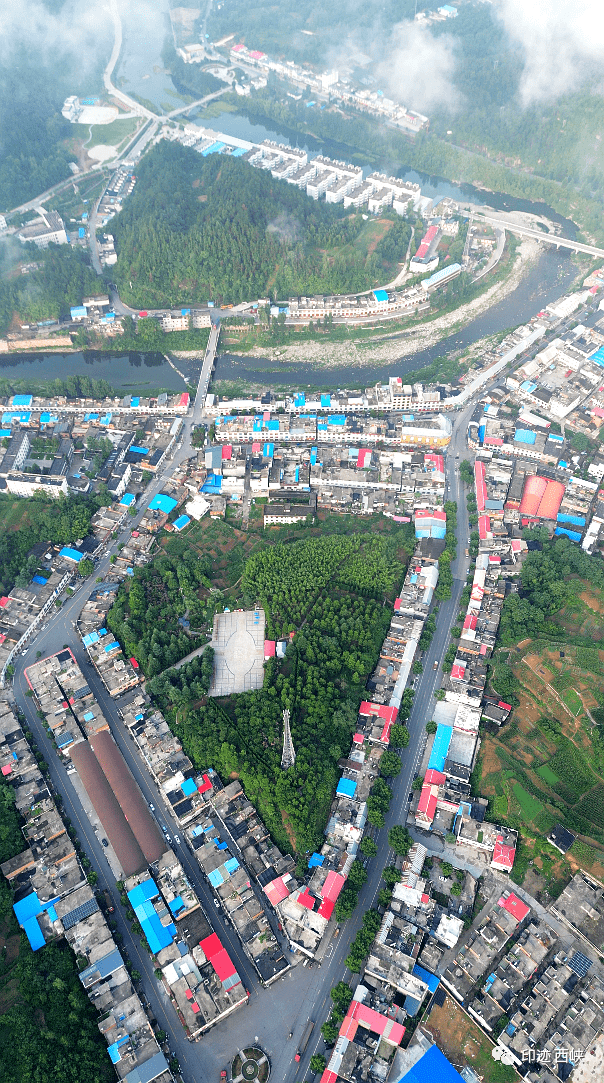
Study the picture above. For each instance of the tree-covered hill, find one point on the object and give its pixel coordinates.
(330, 592)
(197, 228)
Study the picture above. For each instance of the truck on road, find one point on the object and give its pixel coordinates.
(304, 1040)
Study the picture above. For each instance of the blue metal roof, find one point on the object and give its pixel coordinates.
(71, 554)
(440, 748)
(346, 787)
(525, 436)
(164, 503)
(433, 1065)
(380, 295)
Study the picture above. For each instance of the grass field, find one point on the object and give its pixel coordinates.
(546, 765)
(547, 775)
(530, 806)
(573, 701)
(464, 1044)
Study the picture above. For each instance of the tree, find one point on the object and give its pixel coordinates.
(318, 1063)
(85, 567)
(399, 737)
(417, 667)
(375, 816)
(345, 904)
(400, 840)
(384, 897)
(431, 727)
(329, 1030)
(417, 783)
(357, 876)
(456, 889)
(447, 869)
(390, 764)
(391, 875)
(341, 994)
(368, 847)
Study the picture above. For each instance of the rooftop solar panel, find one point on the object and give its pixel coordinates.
(84, 911)
(580, 964)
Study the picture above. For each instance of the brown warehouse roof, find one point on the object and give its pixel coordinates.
(119, 832)
(130, 798)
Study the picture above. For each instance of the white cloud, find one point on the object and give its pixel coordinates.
(563, 43)
(419, 68)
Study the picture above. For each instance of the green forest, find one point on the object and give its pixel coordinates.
(548, 581)
(197, 228)
(62, 280)
(149, 613)
(330, 592)
(24, 522)
(549, 150)
(48, 1028)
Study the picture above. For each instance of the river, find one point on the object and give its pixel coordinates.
(126, 372)
(548, 279)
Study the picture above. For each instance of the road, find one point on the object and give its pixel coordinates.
(539, 235)
(304, 992)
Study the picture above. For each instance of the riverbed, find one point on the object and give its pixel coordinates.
(350, 364)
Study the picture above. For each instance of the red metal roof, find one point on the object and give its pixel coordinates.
(363, 456)
(326, 909)
(306, 899)
(551, 500)
(3, 601)
(514, 906)
(276, 890)
(534, 488)
(227, 451)
(427, 802)
(435, 778)
(184, 398)
(377, 1023)
(358, 738)
(382, 710)
(484, 526)
(188, 994)
(219, 958)
(503, 855)
(205, 785)
(328, 1077)
(470, 622)
(134, 663)
(269, 648)
(333, 886)
(480, 485)
(458, 672)
(504, 706)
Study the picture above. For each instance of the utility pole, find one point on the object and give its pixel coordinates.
(288, 758)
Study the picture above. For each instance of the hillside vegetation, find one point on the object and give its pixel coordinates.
(197, 228)
(546, 765)
(330, 592)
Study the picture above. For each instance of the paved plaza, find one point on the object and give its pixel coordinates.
(238, 642)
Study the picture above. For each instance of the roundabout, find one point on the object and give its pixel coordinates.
(250, 1065)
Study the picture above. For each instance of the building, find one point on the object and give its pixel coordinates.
(47, 229)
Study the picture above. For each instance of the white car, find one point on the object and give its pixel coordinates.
(217, 904)
(177, 840)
